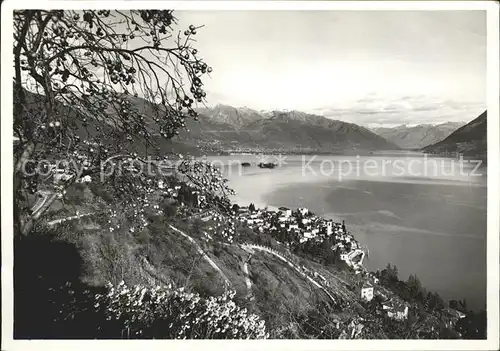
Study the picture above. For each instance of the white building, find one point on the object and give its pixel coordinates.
(367, 292)
(243, 209)
(285, 211)
(395, 310)
(329, 228)
(303, 211)
(84, 179)
(309, 235)
(399, 315)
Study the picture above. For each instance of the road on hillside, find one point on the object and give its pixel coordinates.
(248, 282)
(204, 255)
(268, 250)
(69, 218)
(43, 196)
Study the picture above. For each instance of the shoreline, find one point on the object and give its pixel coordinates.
(353, 229)
(389, 240)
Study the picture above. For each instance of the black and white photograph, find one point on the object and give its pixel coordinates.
(266, 170)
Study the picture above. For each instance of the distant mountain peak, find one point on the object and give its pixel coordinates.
(243, 127)
(411, 136)
(469, 139)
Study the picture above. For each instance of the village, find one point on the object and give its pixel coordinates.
(303, 226)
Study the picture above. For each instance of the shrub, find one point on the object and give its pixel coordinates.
(169, 209)
(76, 194)
(99, 191)
(217, 248)
(166, 312)
(47, 290)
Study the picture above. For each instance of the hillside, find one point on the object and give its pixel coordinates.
(417, 137)
(298, 291)
(86, 131)
(469, 140)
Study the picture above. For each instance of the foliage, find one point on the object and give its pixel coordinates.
(165, 312)
(52, 302)
(460, 305)
(169, 209)
(43, 303)
(77, 74)
(434, 301)
(389, 274)
(473, 326)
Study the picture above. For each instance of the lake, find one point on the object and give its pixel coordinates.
(426, 215)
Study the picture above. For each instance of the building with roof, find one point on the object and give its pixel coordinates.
(303, 211)
(395, 309)
(285, 211)
(367, 292)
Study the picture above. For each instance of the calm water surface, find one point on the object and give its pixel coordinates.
(427, 216)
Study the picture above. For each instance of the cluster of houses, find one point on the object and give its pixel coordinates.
(450, 317)
(305, 226)
(300, 221)
(396, 309)
(393, 307)
(310, 227)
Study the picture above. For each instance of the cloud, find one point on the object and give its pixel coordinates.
(418, 109)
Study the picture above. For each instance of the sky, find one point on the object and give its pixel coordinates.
(367, 67)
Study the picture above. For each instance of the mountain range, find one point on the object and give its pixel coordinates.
(470, 140)
(234, 129)
(417, 137)
(225, 128)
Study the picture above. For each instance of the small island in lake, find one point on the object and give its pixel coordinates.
(267, 165)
